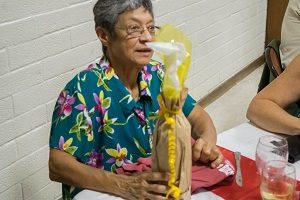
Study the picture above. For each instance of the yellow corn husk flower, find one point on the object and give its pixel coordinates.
(182, 58)
(175, 50)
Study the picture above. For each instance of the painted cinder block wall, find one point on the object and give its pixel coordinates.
(43, 43)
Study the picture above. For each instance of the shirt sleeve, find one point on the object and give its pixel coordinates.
(188, 106)
(71, 129)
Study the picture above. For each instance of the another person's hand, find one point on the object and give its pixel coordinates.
(206, 153)
(144, 186)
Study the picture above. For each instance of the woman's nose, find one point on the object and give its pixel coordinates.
(146, 36)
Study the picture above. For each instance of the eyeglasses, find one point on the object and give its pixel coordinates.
(137, 30)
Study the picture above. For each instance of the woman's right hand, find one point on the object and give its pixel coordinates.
(144, 186)
(65, 168)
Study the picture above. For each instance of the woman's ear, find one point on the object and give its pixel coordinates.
(103, 35)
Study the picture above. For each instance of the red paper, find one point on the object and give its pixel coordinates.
(251, 180)
(202, 175)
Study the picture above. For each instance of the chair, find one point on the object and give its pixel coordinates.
(272, 58)
(273, 69)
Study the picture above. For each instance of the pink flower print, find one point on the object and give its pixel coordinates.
(89, 130)
(83, 108)
(101, 123)
(61, 143)
(65, 102)
(140, 115)
(66, 146)
(118, 156)
(143, 87)
(95, 159)
(101, 109)
(105, 124)
(88, 127)
(90, 67)
(102, 105)
(104, 66)
(145, 74)
(88, 118)
(155, 67)
(82, 105)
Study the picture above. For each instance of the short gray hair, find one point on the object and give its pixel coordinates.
(106, 12)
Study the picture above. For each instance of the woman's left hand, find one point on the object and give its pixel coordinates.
(206, 152)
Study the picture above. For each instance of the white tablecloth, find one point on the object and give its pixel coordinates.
(241, 138)
(244, 138)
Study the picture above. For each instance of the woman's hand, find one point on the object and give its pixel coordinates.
(65, 168)
(206, 152)
(144, 186)
(203, 129)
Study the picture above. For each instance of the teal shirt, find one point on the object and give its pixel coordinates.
(96, 120)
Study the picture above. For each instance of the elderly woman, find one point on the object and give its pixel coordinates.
(101, 118)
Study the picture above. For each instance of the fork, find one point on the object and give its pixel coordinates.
(238, 176)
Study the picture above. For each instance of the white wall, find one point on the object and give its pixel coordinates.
(44, 42)
(227, 35)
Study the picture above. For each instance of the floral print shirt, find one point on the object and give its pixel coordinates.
(96, 120)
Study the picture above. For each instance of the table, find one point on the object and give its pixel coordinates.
(243, 138)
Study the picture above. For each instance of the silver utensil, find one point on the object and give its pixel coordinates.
(238, 176)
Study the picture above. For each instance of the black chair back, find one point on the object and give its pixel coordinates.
(272, 58)
(273, 69)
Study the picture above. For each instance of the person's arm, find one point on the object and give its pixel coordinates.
(202, 125)
(204, 132)
(266, 110)
(64, 168)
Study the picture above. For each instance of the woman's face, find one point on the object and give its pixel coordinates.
(127, 48)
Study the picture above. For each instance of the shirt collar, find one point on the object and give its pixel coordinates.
(143, 79)
(122, 95)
